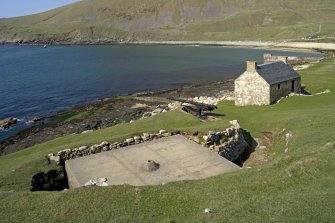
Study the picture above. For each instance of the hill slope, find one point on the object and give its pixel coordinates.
(131, 20)
(296, 184)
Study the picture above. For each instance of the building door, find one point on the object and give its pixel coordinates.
(292, 86)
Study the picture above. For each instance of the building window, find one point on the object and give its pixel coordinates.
(278, 86)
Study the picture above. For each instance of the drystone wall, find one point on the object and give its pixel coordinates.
(104, 146)
(229, 144)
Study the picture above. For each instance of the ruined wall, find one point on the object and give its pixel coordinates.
(251, 89)
(277, 91)
(290, 59)
(271, 58)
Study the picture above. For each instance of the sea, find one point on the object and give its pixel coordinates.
(37, 81)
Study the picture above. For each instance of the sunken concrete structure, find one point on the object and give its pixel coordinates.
(154, 162)
(265, 84)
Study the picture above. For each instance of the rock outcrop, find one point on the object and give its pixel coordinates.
(8, 122)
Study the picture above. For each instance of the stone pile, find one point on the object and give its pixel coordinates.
(229, 144)
(159, 109)
(223, 95)
(175, 105)
(206, 100)
(68, 154)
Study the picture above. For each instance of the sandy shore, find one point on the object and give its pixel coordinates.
(261, 44)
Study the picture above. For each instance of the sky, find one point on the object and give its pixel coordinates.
(13, 8)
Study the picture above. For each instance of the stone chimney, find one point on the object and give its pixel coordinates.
(251, 66)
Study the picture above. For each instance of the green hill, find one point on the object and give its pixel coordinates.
(130, 20)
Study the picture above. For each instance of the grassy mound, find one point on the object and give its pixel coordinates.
(296, 184)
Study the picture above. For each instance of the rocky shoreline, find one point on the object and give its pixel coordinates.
(115, 110)
(122, 109)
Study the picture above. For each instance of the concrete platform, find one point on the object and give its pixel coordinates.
(179, 159)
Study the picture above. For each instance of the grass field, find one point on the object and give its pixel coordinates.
(296, 184)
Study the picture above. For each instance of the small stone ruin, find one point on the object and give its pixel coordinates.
(229, 144)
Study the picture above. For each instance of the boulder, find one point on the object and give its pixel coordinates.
(157, 111)
(95, 149)
(130, 141)
(53, 158)
(37, 119)
(104, 143)
(162, 131)
(165, 134)
(105, 148)
(6, 123)
(146, 137)
(147, 114)
(138, 139)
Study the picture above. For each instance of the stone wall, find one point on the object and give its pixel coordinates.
(271, 58)
(104, 146)
(278, 91)
(229, 144)
(290, 59)
(251, 89)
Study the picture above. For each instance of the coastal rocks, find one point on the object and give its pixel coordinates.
(229, 144)
(159, 109)
(8, 122)
(175, 105)
(104, 146)
(38, 119)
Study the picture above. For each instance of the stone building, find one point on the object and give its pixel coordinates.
(273, 58)
(266, 83)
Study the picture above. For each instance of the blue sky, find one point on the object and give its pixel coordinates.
(12, 8)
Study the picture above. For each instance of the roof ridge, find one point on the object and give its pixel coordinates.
(269, 63)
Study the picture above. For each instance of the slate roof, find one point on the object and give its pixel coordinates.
(276, 72)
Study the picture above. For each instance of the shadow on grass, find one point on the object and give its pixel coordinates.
(209, 116)
(247, 152)
(303, 91)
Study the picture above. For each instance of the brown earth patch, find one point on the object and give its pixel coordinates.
(261, 152)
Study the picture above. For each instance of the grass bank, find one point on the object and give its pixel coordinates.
(295, 185)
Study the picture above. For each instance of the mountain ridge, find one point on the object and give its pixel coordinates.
(160, 20)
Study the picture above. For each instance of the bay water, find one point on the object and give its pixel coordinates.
(37, 81)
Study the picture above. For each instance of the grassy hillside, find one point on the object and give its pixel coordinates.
(296, 184)
(131, 20)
